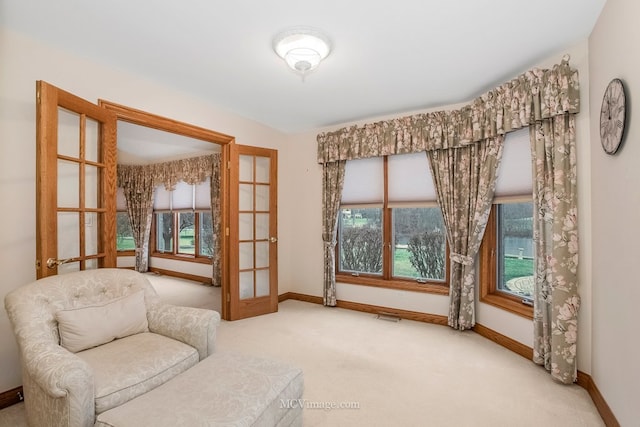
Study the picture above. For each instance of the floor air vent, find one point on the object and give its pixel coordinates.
(389, 317)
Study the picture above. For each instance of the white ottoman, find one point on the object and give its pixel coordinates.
(224, 389)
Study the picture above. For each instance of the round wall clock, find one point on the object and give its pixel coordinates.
(612, 116)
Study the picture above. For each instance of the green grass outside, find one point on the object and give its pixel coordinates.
(402, 266)
(514, 267)
(186, 244)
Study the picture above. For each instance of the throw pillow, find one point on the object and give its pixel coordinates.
(90, 326)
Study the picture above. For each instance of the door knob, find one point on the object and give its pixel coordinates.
(273, 239)
(52, 262)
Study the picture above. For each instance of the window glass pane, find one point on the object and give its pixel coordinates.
(360, 240)
(68, 133)
(186, 233)
(246, 197)
(245, 225)
(68, 235)
(68, 184)
(419, 243)
(206, 234)
(91, 228)
(246, 168)
(262, 254)
(262, 226)
(515, 248)
(246, 285)
(262, 283)
(262, 197)
(246, 256)
(262, 169)
(91, 186)
(164, 232)
(124, 235)
(92, 140)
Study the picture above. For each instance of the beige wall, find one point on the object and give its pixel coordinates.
(23, 62)
(613, 52)
(607, 347)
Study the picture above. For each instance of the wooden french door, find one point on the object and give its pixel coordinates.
(75, 183)
(253, 241)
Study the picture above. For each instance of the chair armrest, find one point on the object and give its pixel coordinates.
(57, 371)
(196, 327)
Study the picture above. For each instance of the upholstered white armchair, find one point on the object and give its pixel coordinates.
(92, 340)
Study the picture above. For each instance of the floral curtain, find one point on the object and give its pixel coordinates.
(556, 300)
(533, 96)
(464, 179)
(546, 100)
(216, 215)
(136, 179)
(333, 182)
(138, 191)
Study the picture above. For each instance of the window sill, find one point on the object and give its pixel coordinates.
(509, 303)
(405, 285)
(185, 258)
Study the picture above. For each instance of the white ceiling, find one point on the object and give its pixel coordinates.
(388, 56)
(143, 145)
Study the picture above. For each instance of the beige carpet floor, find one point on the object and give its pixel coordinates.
(374, 372)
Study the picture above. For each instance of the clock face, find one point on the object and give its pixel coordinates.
(612, 116)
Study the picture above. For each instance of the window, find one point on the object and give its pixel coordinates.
(390, 231)
(507, 251)
(183, 226)
(124, 234)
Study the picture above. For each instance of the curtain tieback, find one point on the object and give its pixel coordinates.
(461, 259)
(329, 245)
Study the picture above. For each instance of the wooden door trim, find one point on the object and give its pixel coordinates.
(142, 118)
(154, 121)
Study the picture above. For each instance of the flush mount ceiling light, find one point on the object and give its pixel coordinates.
(302, 48)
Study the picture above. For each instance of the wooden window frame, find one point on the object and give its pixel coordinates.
(174, 254)
(489, 292)
(386, 280)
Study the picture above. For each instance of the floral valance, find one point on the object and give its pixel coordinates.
(191, 171)
(535, 95)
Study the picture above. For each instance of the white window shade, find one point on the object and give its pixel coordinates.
(410, 179)
(182, 197)
(203, 195)
(162, 199)
(363, 181)
(121, 201)
(514, 174)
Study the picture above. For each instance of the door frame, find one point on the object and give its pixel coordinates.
(142, 118)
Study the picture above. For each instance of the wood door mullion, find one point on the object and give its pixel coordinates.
(82, 192)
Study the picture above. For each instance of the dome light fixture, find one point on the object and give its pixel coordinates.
(302, 48)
